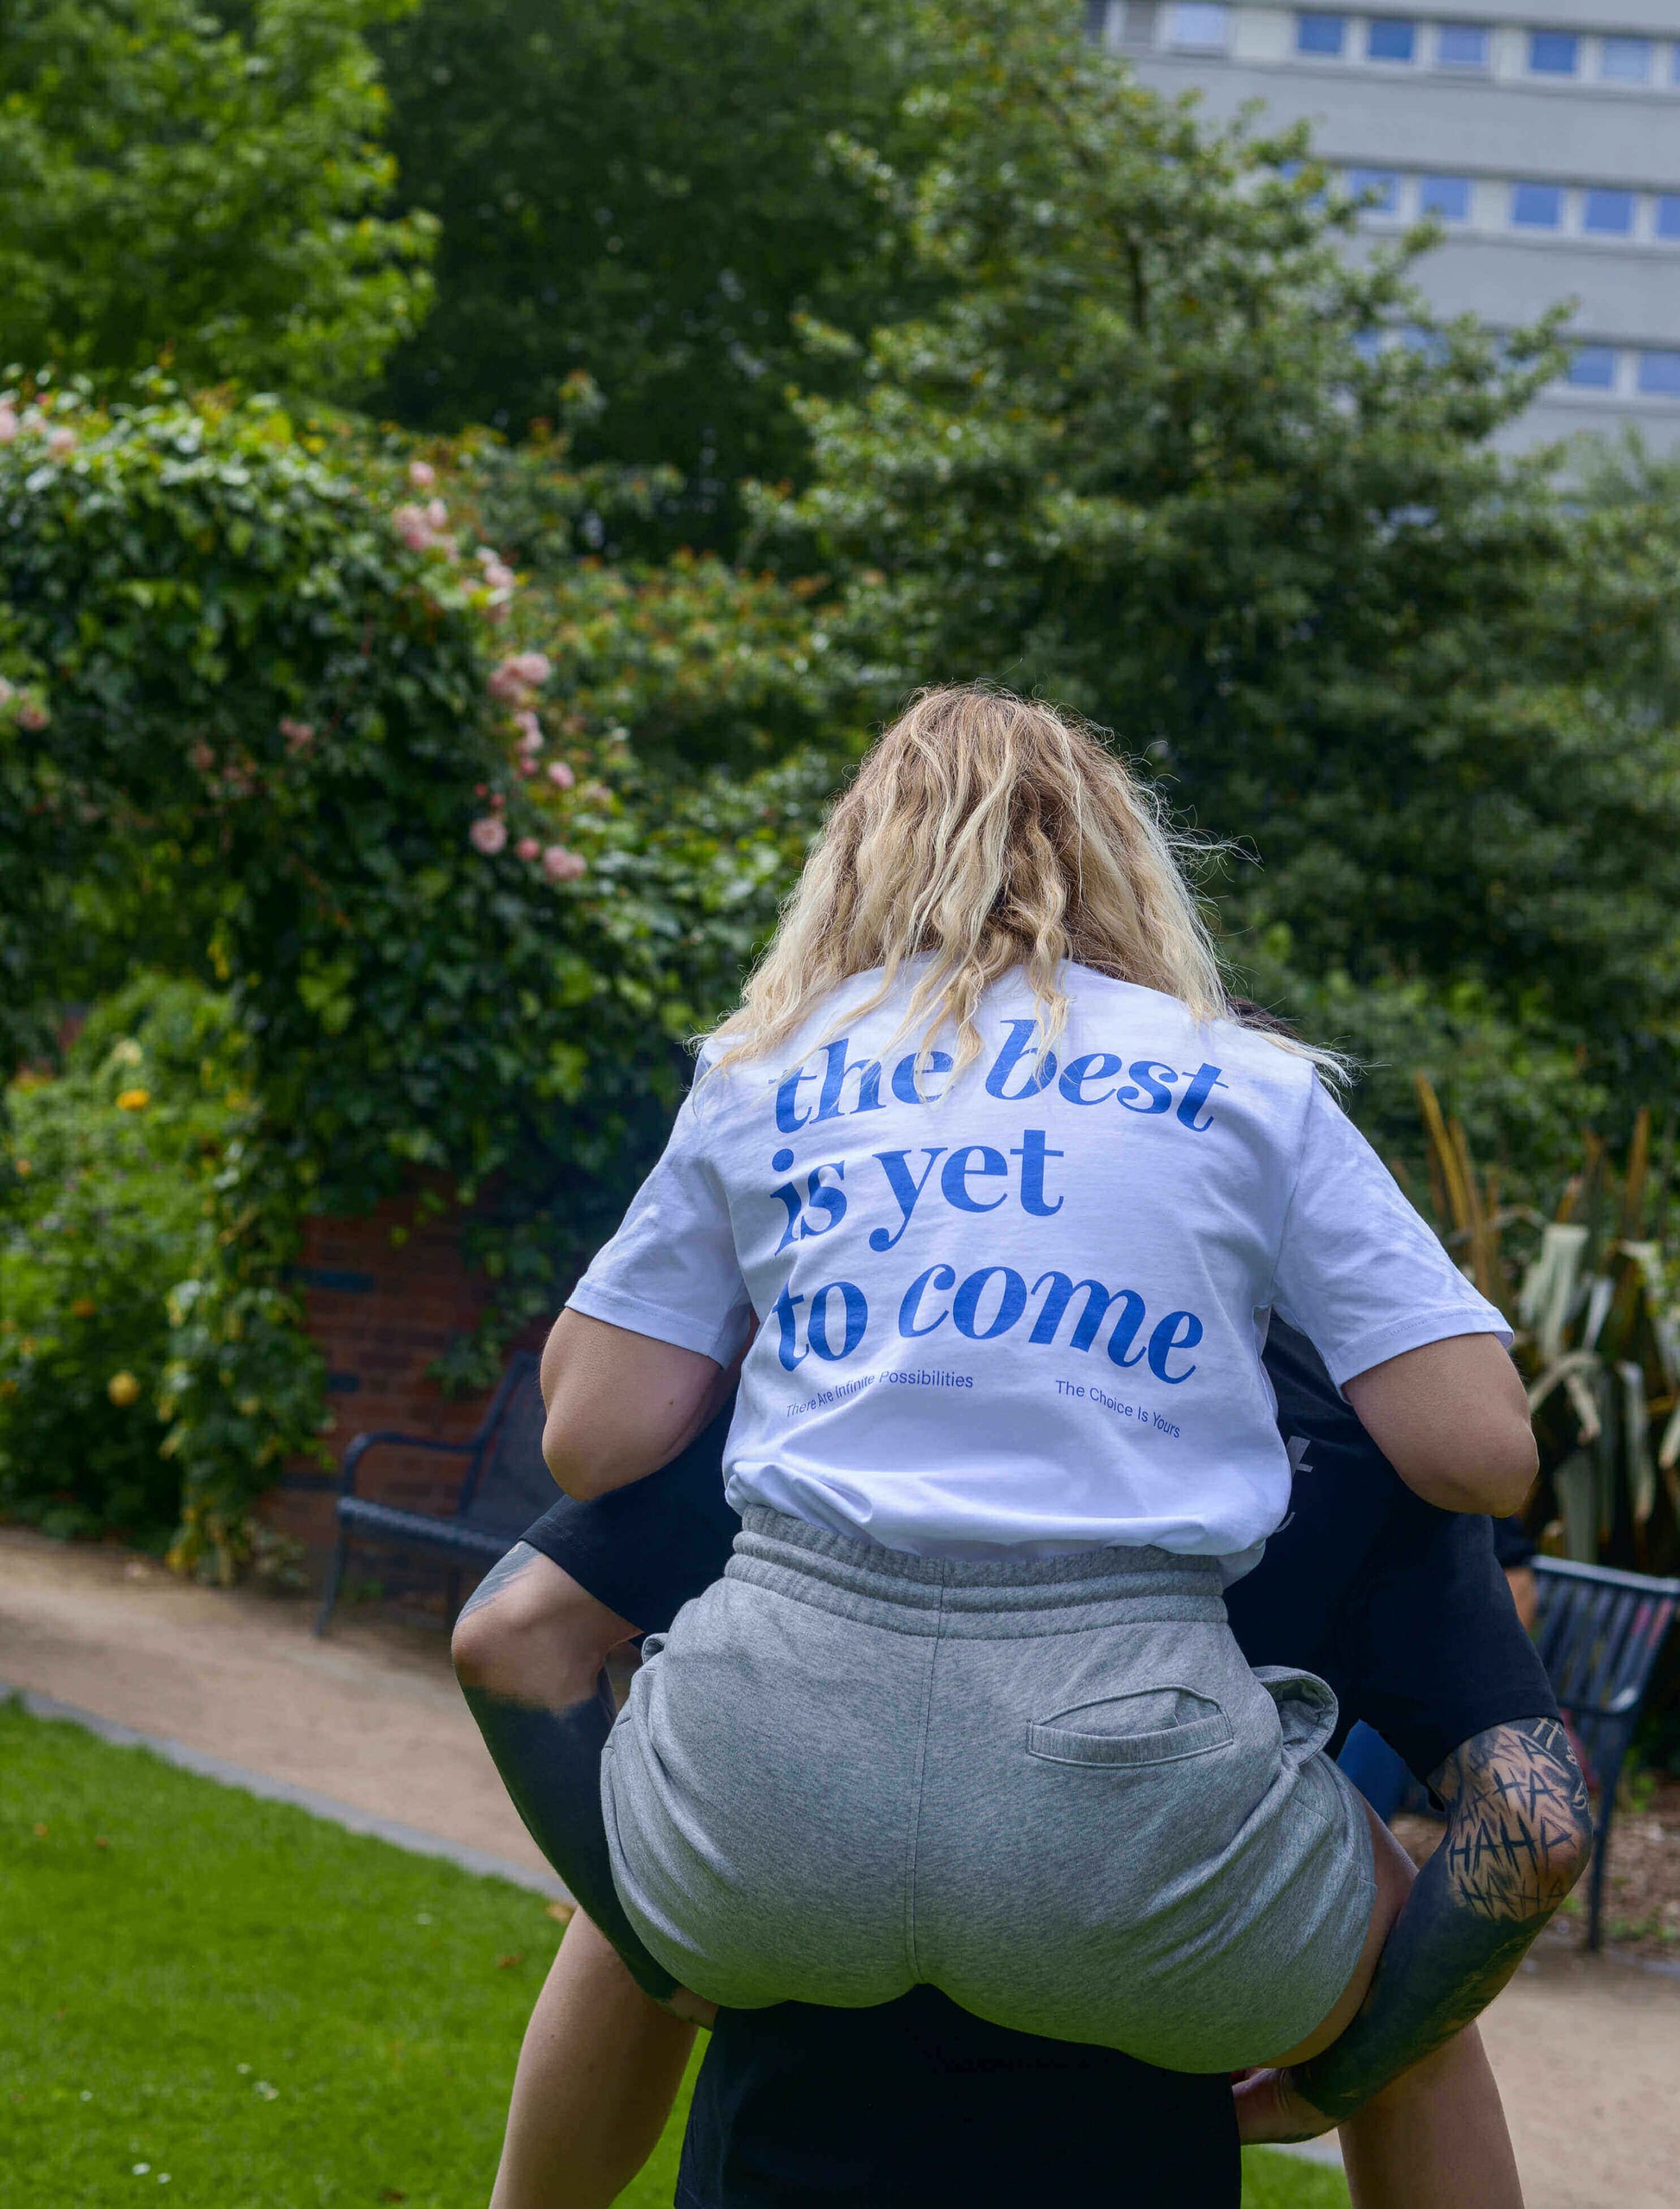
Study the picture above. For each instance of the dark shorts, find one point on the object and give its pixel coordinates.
(645, 1550)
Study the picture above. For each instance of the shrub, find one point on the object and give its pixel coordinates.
(106, 1176)
(269, 721)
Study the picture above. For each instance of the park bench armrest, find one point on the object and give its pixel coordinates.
(361, 1443)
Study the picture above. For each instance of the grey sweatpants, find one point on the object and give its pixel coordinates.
(1052, 1789)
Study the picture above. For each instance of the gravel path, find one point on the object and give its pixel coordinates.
(1587, 2050)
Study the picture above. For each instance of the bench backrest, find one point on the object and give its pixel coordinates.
(1600, 1633)
(507, 1485)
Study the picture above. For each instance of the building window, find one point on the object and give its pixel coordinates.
(1203, 25)
(1537, 206)
(1317, 34)
(1446, 197)
(1593, 368)
(1667, 215)
(1554, 54)
(1659, 375)
(1462, 46)
(1625, 60)
(1609, 213)
(1380, 186)
(1391, 39)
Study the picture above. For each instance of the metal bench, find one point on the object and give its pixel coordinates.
(504, 1487)
(1599, 1634)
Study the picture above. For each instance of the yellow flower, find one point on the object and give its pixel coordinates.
(82, 1308)
(22, 1166)
(124, 1390)
(133, 1100)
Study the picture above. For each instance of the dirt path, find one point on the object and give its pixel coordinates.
(1587, 2052)
(371, 1716)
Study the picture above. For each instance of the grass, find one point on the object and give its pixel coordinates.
(211, 2000)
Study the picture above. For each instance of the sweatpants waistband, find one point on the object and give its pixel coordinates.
(1002, 1598)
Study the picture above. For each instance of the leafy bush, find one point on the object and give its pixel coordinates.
(106, 1176)
(264, 723)
(211, 191)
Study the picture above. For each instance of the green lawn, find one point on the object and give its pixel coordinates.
(228, 2003)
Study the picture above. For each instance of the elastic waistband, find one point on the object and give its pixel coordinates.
(950, 1595)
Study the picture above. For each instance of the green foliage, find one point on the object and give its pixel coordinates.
(646, 192)
(264, 2006)
(213, 192)
(105, 1178)
(1153, 456)
(265, 725)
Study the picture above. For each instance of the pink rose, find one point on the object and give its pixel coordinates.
(60, 441)
(436, 513)
(505, 685)
(488, 835)
(412, 526)
(498, 576)
(530, 731)
(526, 767)
(8, 424)
(422, 474)
(531, 667)
(32, 716)
(202, 757)
(560, 775)
(561, 865)
(527, 848)
(299, 735)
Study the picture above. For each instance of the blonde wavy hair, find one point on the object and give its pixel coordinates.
(989, 832)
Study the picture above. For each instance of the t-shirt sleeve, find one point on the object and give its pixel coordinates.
(1432, 1651)
(671, 1271)
(1358, 1271)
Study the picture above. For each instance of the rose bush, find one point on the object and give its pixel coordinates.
(282, 745)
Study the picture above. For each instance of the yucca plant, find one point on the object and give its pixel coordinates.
(1593, 1293)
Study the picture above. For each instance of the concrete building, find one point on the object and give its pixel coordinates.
(1544, 134)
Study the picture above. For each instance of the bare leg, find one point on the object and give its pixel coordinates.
(597, 2074)
(528, 1652)
(1395, 1874)
(1435, 2137)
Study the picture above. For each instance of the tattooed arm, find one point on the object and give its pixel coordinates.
(1518, 1836)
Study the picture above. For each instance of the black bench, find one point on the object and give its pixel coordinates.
(1600, 1633)
(504, 1486)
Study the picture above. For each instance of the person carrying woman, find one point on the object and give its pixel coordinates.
(1009, 1200)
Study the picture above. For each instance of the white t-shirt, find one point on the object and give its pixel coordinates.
(1024, 1313)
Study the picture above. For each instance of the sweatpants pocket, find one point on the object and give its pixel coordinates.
(1307, 1709)
(1151, 1725)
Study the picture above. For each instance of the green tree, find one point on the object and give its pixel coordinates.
(1164, 451)
(646, 190)
(213, 190)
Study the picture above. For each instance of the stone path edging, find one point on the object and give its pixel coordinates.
(347, 1814)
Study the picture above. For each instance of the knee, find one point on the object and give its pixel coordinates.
(539, 1638)
(488, 1646)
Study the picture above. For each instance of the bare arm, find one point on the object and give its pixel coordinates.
(1452, 1420)
(619, 1405)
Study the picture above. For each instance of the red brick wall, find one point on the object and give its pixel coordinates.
(381, 1309)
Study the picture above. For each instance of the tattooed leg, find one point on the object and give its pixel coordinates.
(1518, 1835)
(529, 1649)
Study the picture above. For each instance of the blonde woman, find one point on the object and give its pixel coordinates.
(1009, 1201)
